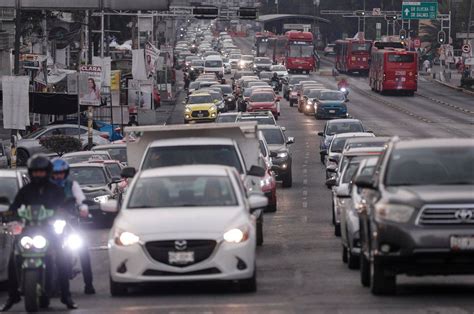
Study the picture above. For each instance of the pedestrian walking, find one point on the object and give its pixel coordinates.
(427, 65)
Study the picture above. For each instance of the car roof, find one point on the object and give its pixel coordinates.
(193, 170)
(200, 93)
(435, 142)
(367, 139)
(268, 126)
(344, 120)
(107, 146)
(87, 164)
(192, 141)
(85, 153)
(8, 173)
(363, 151)
(354, 134)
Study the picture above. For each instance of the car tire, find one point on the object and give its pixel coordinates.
(381, 283)
(249, 285)
(344, 254)
(117, 289)
(22, 157)
(291, 103)
(364, 270)
(186, 121)
(337, 229)
(288, 180)
(353, 261)
(260, 231)
(272, 208)
(317, 117)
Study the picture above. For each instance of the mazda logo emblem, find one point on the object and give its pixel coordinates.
(463, 215)
(180, 245)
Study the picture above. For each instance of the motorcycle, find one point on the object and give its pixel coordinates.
(345, 90)
(276, 86)
(40, 232)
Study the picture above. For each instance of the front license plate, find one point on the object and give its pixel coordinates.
(300, 67)
(462, 243)
(332, 111)
(200, 115)
(180, 258)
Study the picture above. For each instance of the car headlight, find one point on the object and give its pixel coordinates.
(101, 198)
(393, 212)
(73, 242)
(39, 242)
(187, 110)
(126, 239)
(236, 235)
(282, 155)
(310, 102)
(26, 242)
(192, 69)
(59, 225)
(213, 108)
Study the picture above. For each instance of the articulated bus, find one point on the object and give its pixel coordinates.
(352, 55)
(393, 70)
(261, 43)
(277, 48)
(299, 51)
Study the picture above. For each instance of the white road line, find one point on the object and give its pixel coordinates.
(305, 193)
(305, 181)
(305, 204)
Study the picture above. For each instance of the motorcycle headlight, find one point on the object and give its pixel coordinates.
(229, 99)
(126, 239)
(393, 212)
(74, 242)
(343, 89)
(192, 69)
(26, 242)
(39, 242)
(282, 155)
(101, 198)
(59, 225)
(236, 235)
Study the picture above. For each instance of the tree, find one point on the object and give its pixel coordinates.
(61, 144)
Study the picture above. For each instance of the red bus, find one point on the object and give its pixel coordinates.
(261, 43)
(277, 48)
(299, 51)
(352, 55)
(394, 70)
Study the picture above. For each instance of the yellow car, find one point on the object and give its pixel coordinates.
(200, 107)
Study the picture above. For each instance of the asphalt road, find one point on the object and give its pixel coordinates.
(299, 266)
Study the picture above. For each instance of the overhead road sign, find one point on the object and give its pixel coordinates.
(419, 10)
(135, 5)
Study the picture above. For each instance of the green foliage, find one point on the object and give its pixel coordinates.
(61, 144)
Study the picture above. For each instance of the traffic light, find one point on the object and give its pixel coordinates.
(441, 37)
(403, 34)
(205, 12)
(360, 13)
(248, 13)
(390, 17)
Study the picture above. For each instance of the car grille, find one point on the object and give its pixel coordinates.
(446, 215)
(200, 113)
(159, 250)
(207, 271)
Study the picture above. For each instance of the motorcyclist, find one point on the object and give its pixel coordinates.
(40, 191)
(72, 190)
(276, 79)
(342, 84)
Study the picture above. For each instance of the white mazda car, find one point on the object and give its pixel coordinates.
(184, 223)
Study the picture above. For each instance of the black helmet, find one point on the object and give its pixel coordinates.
(39, 162)
(275, 74)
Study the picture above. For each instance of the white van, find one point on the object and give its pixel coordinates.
(213, 64)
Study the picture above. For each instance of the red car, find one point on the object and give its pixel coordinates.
(263, 101)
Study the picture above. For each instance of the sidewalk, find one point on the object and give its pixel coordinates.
(447, 77)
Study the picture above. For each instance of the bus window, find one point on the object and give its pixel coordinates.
(401, 58)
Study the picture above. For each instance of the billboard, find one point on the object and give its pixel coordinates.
(90, 83)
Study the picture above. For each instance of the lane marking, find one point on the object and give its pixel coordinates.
(305, 192)
(305, 204)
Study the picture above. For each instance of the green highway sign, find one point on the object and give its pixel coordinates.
(419, 10)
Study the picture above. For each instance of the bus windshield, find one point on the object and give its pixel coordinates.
(360, 47)
(401, 58)
(304, 51)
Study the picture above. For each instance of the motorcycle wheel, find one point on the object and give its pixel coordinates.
(31, 290)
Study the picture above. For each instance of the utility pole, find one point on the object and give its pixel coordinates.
(17, 40)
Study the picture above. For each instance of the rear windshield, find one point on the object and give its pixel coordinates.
(408, 58)
(344, 127)
(263, 61)
(261, 97)
(360, 47)
(247, 58)
(349, 173)
(273, 136)
(431, 166)
(338, 145)
(225, 155)
(213, 64)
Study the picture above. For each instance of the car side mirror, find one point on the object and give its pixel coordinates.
(347, 100)
(257, 201)
(364, 182)
(273, 154)
(321, 133)
(283, 129)
(128, 172)
(116, 179)
(290, 140)
(111, 206)
(331, 182)
(343, 191)
(256, 171)
(331, 168)
(279, 97)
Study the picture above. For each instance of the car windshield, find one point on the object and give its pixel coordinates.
(226, 89)
(247, 58)
(332, 95)
(8, 188)
(235, 57)
(197, 63)
(263, 61)
(273, 136)
(88, 176)
(114, 169)
(259, 119)
(85, 158)
(212, 63)
(337, 145)
(344, 127)
(296, 80)
(314, 93)
(261, 97)
(226, 118)
(265, 75)
(350, 170)
(182, 191)
(118, 153)
(225, 155)
(278, 68)
(199, 99)
(431, 166)
(35, 133)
